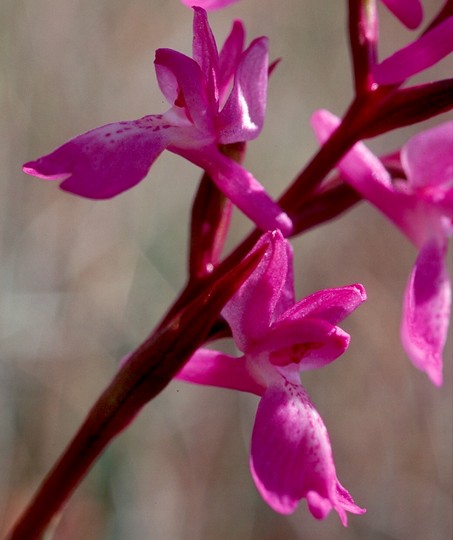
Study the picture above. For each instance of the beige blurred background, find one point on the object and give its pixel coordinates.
(83, 282)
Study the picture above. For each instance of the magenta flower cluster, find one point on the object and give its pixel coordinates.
(217, 104)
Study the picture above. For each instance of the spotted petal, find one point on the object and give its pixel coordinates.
(427, 310)
(291, 456)
(107, 160)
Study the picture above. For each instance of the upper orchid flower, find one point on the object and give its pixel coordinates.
(291, 457)
(421, 205)
(110, 159)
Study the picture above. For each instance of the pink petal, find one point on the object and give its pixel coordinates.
(409, 12)
(205, 51)
(181, 81)
(230, 54)
(419, 55)
(426, 310)
(107, 160)
(250, 312)
(307, 343)
(239, 186)
(287, 294)
(359, 167)
(427, 159)
(362, 170)
(214, 368)
(331, 305)
(291, 456)
(242, 117)
(208, 4)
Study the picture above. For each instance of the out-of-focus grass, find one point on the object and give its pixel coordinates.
(83, 282)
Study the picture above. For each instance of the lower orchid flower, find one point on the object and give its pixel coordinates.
(291, 456)
(421, 206)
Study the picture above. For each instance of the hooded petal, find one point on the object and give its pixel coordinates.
(426, 311)
(182, 82)
(230, 54)
(205, 52)
(291, 456)
(419, 55)
(107, 160)
(250, 311)
(214, 368)
(242, 117)
(240, 186)
(409, 12)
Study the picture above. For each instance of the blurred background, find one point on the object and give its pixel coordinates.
(82, 283)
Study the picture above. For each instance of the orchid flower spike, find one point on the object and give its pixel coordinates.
(204, 114)
(291, 456)
(421, 206)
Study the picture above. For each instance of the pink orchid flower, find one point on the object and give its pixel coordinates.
(203, 115)
(291, 456)
(421, 206)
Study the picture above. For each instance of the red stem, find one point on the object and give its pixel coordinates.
(145, 373)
